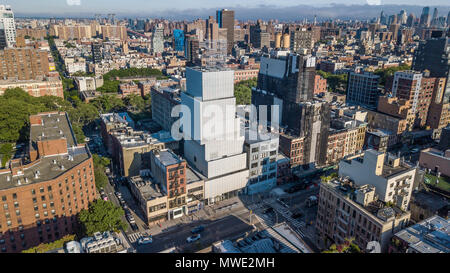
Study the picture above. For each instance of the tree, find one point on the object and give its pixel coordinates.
(46, 247)
(101, 216)
(108, 103)
(6, 150)
(243, 91)
(100, 164)
(135, 102)
(389, 72)
(347, 247)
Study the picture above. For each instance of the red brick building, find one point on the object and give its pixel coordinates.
(42, 193)
(320, 85)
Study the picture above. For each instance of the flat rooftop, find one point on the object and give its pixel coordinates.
(168, 158)
(429, 236)
(48, 168)
(147, 187)
(52, 126)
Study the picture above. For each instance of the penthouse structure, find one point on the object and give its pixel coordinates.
(218, 154)
(42, 192)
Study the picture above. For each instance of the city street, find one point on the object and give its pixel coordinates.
(224, 228)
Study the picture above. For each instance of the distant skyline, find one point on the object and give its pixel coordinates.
(247, 9)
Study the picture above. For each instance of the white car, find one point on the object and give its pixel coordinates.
(145, 240)
(193, 238)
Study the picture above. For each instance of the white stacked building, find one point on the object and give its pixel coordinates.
(214, 142)
(8, 24)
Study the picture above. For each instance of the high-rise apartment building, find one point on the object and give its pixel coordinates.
(225, 19)
(362, 89)
(288, 82)
(42, 194)
(23, 63)
(97, 55)
(217, 153)
(301, 39)
(178, 40)
(9, 25)
(158, 39)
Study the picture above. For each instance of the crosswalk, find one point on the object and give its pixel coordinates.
(134, 237)
(286, 213)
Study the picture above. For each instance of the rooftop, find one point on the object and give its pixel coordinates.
(167, 158)
(147, 187)
(45, 169)
(50, 126)
(429, 236)
(378, 209)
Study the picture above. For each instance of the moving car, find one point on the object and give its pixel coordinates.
(145, 240)
(197, 229)
(193, 238)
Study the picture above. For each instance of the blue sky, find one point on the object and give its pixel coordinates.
(130, 6)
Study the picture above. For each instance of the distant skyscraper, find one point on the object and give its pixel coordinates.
(435, 17)
(402, 17)
(448, 19)
(178, 39)
(225, 19)
(411, 20)
(382, 18)
(9, 25)
(425, 17)
(158, 39)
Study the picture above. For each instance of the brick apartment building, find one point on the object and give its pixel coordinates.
(42, 192)
(23, 63)
(320, 85)
(51, 86)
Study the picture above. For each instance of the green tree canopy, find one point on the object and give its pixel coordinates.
(243, 91)
(389, 72)
(101, 216)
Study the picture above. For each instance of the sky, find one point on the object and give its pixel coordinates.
(130, 6)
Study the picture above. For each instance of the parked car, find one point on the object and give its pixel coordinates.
(134, 227)
(197, 229)
(145, 240)
(193, 238)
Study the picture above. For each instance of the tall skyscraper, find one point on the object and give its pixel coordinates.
(288, 82)
(178, 39)
(225, 19)
(214, 147)
(212, 29)
(411, 20)
(425, 17)
(158, 39)
(9, 25)
(434, 19)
